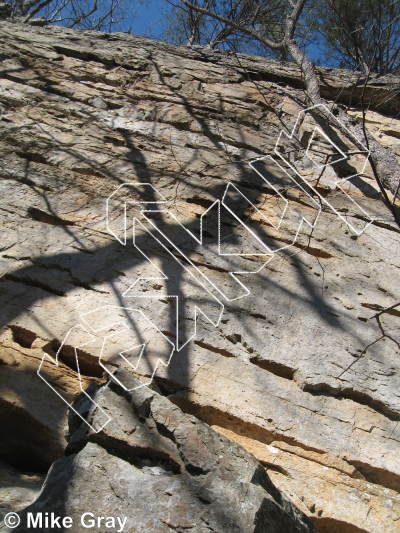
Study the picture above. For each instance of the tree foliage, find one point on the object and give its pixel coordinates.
(186, 25)
(365, 33)
(360, 34)
(384, 163)
(85, 14)
(357, 34)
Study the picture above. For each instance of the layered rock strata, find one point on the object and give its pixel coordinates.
(304, 373)
(160, 470)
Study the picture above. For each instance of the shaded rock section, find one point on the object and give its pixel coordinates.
(164, 470)
(17, 489)
(306, 372)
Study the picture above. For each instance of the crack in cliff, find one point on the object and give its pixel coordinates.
(89, 364)
(214, 349)
(316, 252)
(377, 307)
(72, 278)
(48, 218)
(375, 475)
(22, 336)
(348, 393)
(32, 283)
(214, 416)
(85, 55)
(274, 367)
(138, 456)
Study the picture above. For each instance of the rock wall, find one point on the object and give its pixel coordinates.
(163, 470)
(304, 372)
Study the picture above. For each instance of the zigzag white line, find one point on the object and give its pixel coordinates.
(206, 283)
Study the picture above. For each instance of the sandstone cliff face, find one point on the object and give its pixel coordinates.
(164, 471)
(304, 371)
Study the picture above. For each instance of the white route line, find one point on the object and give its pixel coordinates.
(154, 232)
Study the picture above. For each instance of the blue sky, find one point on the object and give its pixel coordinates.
(148, 18)
(145, 18)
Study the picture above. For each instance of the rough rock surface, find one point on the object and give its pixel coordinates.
(305, 372)
(163, 470)
(17, 489)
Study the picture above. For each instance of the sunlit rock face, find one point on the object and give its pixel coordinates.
(156, 468)
(299, 362)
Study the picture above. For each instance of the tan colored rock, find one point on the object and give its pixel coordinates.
(32, 416)
(159, 469)
(321, 485)
(306, 365)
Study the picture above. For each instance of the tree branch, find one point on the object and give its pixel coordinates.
(237, 26)
(293, 18)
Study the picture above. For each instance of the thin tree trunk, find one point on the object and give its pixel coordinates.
(385, 165)
(383, 159)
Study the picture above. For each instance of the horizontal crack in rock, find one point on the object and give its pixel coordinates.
(215, 349)
(32, 283)
(279, 369)
(323, 389)
(48, 218)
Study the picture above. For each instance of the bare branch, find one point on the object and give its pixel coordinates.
(37, 8)
(237, 26)
(77, 20)
(293, 18)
